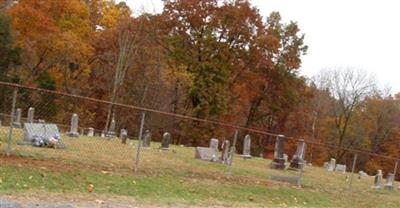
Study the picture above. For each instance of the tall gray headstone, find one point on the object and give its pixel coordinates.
(90, 132)
(225, 152)
(214, 144)
(31, 113)
(111, 129)
(298, 158)
(123, 135)
(247, 147)
(279, 160)
(74, 126)
(378, 180)
(17, 121)
(147, 139)
(166, 140)
(389, 182)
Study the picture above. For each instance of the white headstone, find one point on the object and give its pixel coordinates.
(247, 147)
(340, 168)
(17, 121)
(90, 132)
(30, 117)
(147, 139)
(389, 181)
(332, 164)
(111, 129)
(378, 180)
(74, 126)
(123, 135)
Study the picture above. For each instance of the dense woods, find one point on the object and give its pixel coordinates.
(202, 58)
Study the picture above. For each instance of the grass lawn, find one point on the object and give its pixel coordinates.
(175, 177)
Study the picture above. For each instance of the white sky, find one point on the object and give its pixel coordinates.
(340, 33)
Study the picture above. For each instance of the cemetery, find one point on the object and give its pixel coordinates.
(199, 103)
(262, 180)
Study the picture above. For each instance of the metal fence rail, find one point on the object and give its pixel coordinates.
(58, 107)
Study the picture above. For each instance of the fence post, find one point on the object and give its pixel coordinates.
(352, 170)
(232, 152)
(139, 141)
(395, 171)
(14, 100)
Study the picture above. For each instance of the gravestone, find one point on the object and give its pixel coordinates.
(74, 126)
(279, 160)
(225, 152)
(298, 158)
(332, 164)
(147, 139)
(102, 134)
(247, 147)
(111, 129)
(214, 144)
(90, 132)
(123, 135)
(41, 135)
(206, 153)
(389, 182)
(166, 140)
(17, 121)
(340, 168)
(378, 180)
(362, 174)
(30, 117)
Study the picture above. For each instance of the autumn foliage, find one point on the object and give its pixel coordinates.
(201, 58)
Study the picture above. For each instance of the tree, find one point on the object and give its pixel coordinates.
(349, 87)
(9, 55)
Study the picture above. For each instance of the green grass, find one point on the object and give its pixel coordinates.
(175, 177)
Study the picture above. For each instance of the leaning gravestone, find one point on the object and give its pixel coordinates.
(279, 160)
(378, 180)
(389, 182)
(42, 135)
(30, 117)
(214, 144)
(298, 158)
(166, 140)
(247, 147)
(74, 126)
(225, 152)
(123, 135)
(111, 129)
(340, 168)
(17, 121)
(206, 153)
(147, 139)
(332, 165)
(90, 132)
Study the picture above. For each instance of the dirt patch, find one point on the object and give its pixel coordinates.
(48, 164)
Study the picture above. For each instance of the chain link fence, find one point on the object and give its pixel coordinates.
(146, 140)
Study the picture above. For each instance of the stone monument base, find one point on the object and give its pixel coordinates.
(278, 164)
